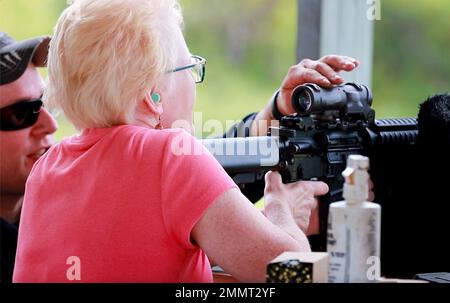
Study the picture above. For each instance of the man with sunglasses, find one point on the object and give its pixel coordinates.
(26, 132)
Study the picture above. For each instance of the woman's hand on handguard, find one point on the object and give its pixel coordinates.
(293, 201)
(323, 72)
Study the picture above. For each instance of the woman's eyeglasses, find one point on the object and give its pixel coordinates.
(20, 115)
(197, 68)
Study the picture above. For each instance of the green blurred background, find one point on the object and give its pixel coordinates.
(250, 44)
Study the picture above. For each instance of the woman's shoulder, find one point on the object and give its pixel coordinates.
(153, 135)
(131, 137)
(177, 140)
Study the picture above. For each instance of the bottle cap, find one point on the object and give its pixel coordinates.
(356, 188)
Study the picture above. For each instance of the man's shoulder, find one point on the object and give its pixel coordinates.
(8, 246)
(7, 229)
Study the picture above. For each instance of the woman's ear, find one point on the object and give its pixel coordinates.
(148, 112)
(153, 104)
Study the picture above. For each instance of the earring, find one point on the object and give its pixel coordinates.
(155, 97)
(159, 124)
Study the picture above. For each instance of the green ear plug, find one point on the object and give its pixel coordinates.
(155, 97)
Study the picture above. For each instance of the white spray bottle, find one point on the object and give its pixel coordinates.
(353, 240)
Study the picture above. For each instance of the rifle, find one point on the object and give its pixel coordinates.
(313, 144)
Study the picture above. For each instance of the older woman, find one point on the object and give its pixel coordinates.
(117, 202)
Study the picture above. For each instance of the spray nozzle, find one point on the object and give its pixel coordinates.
(356, 179)
(354, 163)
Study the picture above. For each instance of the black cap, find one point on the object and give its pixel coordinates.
(15, 56)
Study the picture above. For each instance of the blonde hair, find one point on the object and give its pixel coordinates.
(106, 55)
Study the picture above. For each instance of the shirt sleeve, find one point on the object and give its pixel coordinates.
(191, 180)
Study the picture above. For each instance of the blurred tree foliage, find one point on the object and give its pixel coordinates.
(250, 44)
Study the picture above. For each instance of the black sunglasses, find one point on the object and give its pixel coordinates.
(20, 115)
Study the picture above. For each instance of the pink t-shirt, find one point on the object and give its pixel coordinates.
(118, 205)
